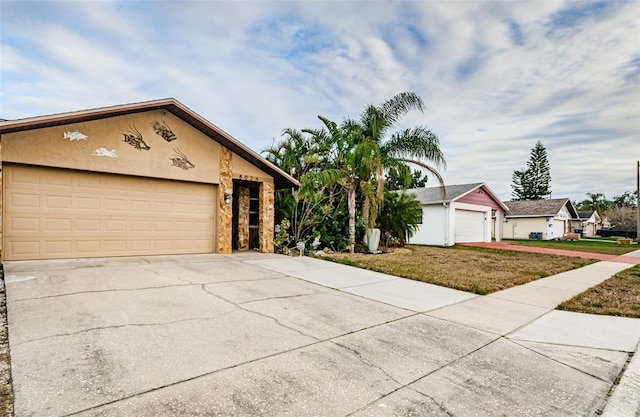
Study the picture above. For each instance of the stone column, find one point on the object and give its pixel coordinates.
(243, 218)
(226, 212)
(266, 217)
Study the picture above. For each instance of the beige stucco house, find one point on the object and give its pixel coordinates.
(136, 179)
(539, 219)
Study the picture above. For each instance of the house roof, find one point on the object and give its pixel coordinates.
(281, 178)
(539, 208)
(585, 214)
(433, 195)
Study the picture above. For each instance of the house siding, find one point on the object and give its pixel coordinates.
(434, 227)
(479, 197)
(519, 228)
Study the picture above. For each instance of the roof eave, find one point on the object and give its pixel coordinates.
(281, 178)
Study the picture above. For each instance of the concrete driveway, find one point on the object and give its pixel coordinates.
(252, 334)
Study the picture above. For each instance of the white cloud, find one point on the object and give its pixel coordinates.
(495, 76)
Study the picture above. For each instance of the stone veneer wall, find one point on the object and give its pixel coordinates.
(266, 217)
(226, 212)
(243, 218)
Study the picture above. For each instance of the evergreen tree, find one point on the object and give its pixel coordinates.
(533, 183)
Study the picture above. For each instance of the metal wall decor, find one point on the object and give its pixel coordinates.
(163, 130)
(134, 138)
(74, 136)
(105, 152)
(180, 160)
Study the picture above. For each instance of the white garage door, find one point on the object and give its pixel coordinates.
(470, 226)
(54, 213)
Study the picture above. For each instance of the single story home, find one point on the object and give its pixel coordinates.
(146, 178)
(539, 219)
(589, 221)
(464, 213)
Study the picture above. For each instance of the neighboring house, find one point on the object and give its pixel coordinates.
(466, 213)
(136, 179)
(547, 219)
(589, 221)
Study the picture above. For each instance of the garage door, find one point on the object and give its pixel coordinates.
(54, 213)
(469, 226)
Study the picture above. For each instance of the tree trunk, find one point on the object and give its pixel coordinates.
(351, 204)
(366, 207)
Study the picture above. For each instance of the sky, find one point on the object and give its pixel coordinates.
(495, 76)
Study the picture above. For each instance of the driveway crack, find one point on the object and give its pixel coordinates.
(278, 322)
(103, 291)
(557, 361)
(120, 326)
(367, 362)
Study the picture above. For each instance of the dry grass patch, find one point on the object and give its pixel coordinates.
(477, 270)
(617, 296)
(583, 245)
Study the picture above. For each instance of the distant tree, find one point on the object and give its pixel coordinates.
(401, 177)
(596, 201)
(627, 199)
(534, 182)
(623, 217)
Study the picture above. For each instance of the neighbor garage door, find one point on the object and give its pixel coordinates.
(58, 213)
(469, 226)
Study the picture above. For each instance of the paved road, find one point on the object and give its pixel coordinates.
(252, 334)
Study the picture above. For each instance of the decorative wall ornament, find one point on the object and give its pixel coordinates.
(163, 130)
(180, 160)
(134, 138)
(105, 152)
(75, 136)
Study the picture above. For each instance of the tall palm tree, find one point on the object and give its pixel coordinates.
(417, 145)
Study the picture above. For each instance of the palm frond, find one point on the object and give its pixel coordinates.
(433, 171)
(418, 142)
(399, 105)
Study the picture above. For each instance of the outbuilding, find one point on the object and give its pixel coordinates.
(458, 214)
(148, 178)
(539, 219)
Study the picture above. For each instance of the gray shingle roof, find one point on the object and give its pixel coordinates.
(549, 207)
(585, 214)
(430, 195)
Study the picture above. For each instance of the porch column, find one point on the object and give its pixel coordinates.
(243, 218)
(225, 189)
(266, 221)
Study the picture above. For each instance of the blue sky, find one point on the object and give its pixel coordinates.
(495, 76)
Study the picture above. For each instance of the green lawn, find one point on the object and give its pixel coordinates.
(583, 245)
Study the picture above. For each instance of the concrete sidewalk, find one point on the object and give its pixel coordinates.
(253, 334)
(524, 314)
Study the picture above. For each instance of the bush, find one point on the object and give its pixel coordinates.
(282, 238)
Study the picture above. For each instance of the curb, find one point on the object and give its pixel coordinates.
(625, 400)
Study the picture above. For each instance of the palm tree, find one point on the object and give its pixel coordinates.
(347, 158)
(351, 157)
(417, 145)
(400, 216)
